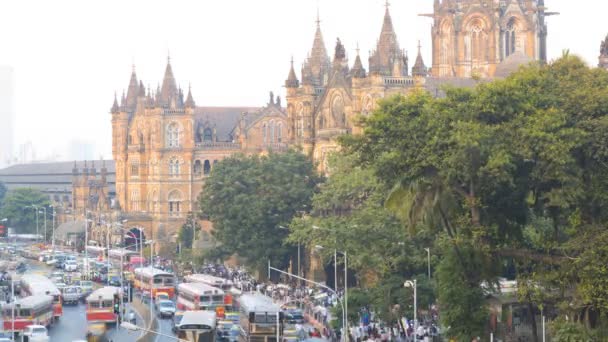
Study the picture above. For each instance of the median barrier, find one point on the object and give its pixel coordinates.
(150, 321)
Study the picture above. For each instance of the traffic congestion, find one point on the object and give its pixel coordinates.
(116, 290)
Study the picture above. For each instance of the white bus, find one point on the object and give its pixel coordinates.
(259, 318)
(197, 326)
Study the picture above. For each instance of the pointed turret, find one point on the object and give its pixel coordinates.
(419, 69)
(123, 102)
(169, 88)
(387, 57)
(132, 91)
(115, 109)
(604, 54)
(142, 89)
(292, 79)
(316, 68)
(358, 71)
(190, 100)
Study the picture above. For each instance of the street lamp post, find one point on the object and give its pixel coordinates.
(335, 262)
(133, 327)
(345, 313)
(413, 283)
(44, 208)
(53, 232)
(299, 263)
(428, 252)
(35, 207)
(344, 333)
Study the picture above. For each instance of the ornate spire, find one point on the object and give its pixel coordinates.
(142, 89)
(292, 79)
(382, 60)
(419, 69)
(169, 87)
(123, 102)
(115, 107)
(358, 71)
(318, 64)
(132, 91)
(190, 100)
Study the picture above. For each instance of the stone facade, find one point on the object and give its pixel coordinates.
(164, 147)
(331, 95)
(472, 37)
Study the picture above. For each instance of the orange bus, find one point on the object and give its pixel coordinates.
(100, 305)
(31, 310)
(152, 280)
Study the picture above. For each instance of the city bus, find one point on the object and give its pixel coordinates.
(217, 282)
(96, 252)
(35, 284)
(31, 310)
(199, 296)
(210, 280)
(197, 326)
(259, 318)
(124, 255)
(151, 280)
(100, 305)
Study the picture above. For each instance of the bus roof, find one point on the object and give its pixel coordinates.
(105, 293)
(200, 288)
(38, 284)
(31, 301)
(96, 248)
(194, 318)
(118, 252)
(256, 302)
(206, 278)
(151, 271)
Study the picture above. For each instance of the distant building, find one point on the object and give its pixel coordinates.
(72, 187)
(7, 114)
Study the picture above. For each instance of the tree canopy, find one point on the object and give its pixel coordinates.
(512, 172)
(21, 216)
(249, 198)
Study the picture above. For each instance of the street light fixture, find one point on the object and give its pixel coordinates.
(413, 284)
(133, 327)
(299, 244)
(428, 252)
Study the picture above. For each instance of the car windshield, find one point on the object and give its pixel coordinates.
(39, 330)
(166, 304)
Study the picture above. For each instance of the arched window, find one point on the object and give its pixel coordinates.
(510, 37)
(265, 133)
(271, 131)
(174, 167)
(175, 203)
(207, 168)
(279, 132)
(198, 169)
(476, 43)
(173, 135)
(208, 134)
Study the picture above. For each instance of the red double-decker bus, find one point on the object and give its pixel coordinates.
(36, 285)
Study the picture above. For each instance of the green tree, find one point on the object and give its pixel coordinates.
(248, 199)
(186, 233)
(3, 191)
(22, 218)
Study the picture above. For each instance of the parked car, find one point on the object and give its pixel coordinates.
(36, 333)
(166, 308)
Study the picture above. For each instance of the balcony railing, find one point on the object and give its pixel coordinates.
(276, 147)
(217, 145)
(398, 81)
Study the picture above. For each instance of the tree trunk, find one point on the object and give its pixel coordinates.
(475, 215)
(533, 318)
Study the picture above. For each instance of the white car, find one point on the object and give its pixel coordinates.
(36, 333)
(70, 266)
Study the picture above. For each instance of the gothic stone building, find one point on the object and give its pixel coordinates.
(164, 147)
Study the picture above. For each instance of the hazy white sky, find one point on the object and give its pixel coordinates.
(70, 56)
